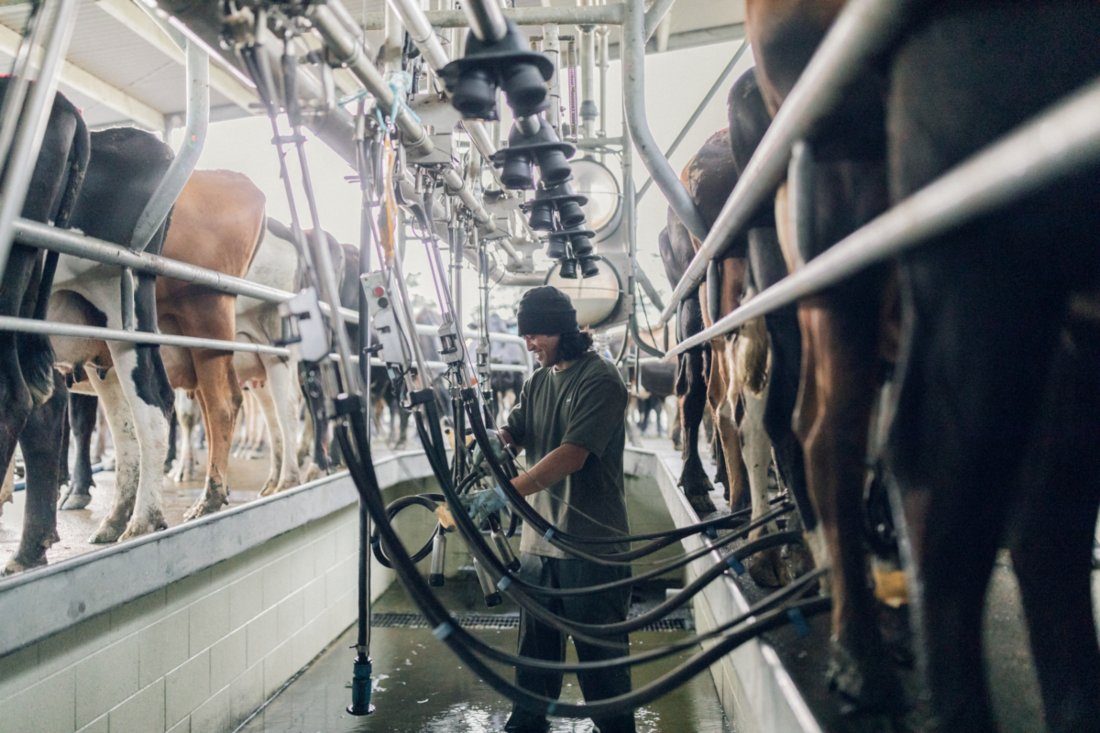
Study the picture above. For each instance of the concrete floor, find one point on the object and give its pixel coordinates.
(421, 687)
(246, 476)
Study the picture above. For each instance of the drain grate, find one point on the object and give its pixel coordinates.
(495, 621)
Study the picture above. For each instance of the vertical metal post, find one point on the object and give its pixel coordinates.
(486, 19)
(28, 138)
(588, 112)
(719, 83)
(551, 46)
(630, 213)
(633, 60)
(194, 138)
(362, 666)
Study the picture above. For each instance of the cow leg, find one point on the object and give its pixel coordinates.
(63, 475)
(262, 395)
(1052, 544)
(402, 423)
(186, 468)
(974, 373)
(7, 487)
(280, 408)
(729, 442)
(82, 417)
(305, 437)
(39, 442)
(15, 394)
(748, 354)
(221, 400)
(127, 455)
(839, 358)
(691, 386)
(173, 439)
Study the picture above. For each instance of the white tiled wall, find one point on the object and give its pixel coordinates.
(200, 654)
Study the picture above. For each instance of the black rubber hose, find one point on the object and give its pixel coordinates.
(480, 434)
(462, 642)
(794, 590)
(429, 502)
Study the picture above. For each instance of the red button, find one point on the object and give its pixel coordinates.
(378, 291)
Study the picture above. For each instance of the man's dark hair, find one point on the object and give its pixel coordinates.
(574, 345)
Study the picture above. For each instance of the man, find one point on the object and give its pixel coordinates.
(570, 421)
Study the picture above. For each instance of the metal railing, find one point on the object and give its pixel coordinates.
(74, 243)
(859, 32)
(1062, 141)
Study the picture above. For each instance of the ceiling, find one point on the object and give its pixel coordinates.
(125, 66)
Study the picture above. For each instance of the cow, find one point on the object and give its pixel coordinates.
(506, 385)
(273, 379)
(847, 343)
(32, 394)
(996, 422)
(691, 393)
(775, 366)
(216, 224)
(656, 383)
(125, 167)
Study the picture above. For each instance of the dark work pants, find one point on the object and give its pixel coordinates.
(538, 640)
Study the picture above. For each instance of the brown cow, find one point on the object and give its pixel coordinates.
(843, 342)
(709, 177)
(217, 223)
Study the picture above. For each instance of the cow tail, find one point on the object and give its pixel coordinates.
(36, 356)
(79, 155)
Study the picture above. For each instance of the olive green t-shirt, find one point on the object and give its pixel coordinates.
(584, 405)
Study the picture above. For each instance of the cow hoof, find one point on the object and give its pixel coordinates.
(74, 498)
(18, 564)
(313, 473)
(208, 503)
(109, 531)
(867, 687)
(702, 504)
(766, 568)
(797, 561)
(287, 485)
(149, 522)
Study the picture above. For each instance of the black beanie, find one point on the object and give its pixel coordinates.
(546, 310)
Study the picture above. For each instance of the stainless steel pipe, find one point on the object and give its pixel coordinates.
(194, 138)
(858, 33)
(1059, 143)
(633, 53)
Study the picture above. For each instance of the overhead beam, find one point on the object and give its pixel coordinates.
(89, 85)
(153, 33)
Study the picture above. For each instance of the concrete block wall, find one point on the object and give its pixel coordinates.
(199, 654)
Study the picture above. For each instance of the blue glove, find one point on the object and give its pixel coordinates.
(480, 504)
(499, 452)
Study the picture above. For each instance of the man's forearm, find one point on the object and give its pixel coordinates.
(554, 466)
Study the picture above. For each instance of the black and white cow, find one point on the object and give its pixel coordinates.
(32, 394)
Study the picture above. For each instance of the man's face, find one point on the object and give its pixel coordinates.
(544, 347)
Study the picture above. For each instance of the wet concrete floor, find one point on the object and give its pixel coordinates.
(246, 476)
(421, 687)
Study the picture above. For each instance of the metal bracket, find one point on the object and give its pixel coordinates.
(305, 326)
